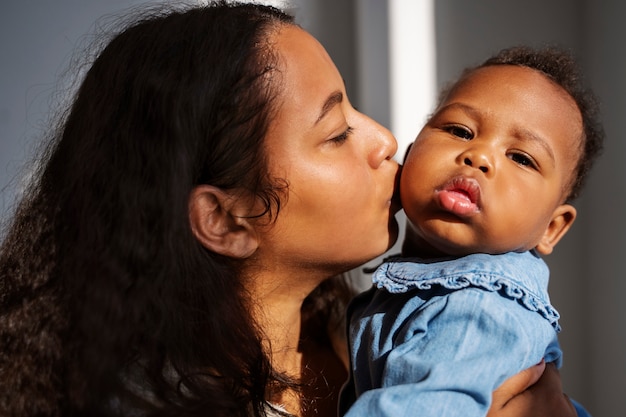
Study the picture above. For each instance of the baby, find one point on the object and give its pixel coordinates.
(487, 188)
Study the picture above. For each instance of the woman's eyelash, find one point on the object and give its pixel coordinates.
(343, 137)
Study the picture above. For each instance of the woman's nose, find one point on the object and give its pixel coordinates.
(384, 146)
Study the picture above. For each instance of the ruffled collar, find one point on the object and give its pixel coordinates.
(520, 276)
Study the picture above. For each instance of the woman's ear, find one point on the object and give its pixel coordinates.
(562, 219)
(219, 221)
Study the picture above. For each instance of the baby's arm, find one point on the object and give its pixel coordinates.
(450, 356)
(534, 392)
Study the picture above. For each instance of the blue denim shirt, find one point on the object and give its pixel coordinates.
(435, 338)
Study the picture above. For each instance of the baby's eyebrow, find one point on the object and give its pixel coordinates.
(526, 135)
(522, 134)
(462, 107)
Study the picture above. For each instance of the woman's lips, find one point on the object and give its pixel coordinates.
(395, 201)
(460, 196)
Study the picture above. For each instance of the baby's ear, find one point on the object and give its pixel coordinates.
(220, 222)
(562, 219)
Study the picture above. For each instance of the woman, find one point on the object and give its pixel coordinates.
(172, 256)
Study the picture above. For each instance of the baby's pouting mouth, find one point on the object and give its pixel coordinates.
(460, 196)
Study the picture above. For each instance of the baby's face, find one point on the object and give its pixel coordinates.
(489, 171)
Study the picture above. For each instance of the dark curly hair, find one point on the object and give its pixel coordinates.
(107, 301)
(558, 65)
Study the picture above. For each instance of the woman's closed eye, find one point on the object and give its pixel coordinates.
(338, 140)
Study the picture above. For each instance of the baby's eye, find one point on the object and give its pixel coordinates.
(523, 159)
(460, 132)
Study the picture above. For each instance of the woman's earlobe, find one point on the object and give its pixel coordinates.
(214, 220)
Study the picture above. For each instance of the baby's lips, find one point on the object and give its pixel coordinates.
(465, 185)
(460, 196)
(457, 202)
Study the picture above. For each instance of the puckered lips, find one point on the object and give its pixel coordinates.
(460, 196)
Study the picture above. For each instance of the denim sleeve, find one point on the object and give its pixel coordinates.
(580, 410)
(450, 355)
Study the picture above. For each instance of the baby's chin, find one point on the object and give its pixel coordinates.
(430, 240)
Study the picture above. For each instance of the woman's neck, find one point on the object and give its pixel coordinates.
(278, 312)
(277, 303)
(279, 317)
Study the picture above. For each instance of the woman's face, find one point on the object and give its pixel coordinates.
(336, 161)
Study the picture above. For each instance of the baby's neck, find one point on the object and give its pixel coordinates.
(415, 246)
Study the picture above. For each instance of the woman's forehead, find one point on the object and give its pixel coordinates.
(308, 76)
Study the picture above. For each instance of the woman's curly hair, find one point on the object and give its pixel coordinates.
(108, 304)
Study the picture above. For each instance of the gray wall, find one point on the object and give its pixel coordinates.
(37, 39)
(605, 231)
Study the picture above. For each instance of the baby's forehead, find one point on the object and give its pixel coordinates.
(577, 155)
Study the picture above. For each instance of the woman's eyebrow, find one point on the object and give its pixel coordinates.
(332, 100)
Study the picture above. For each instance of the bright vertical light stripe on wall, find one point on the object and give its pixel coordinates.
(412, 67)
